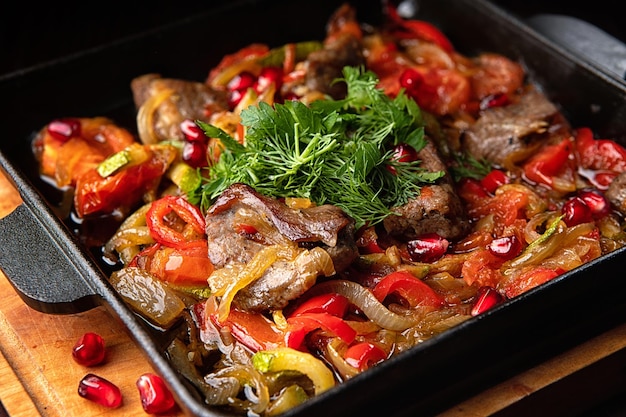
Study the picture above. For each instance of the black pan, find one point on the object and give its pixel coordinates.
(54, 272)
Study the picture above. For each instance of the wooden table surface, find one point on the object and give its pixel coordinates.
(39, 377)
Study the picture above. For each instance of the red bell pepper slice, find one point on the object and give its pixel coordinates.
(304, 323)
(548, 162)
(364, 355)
(412, 289)
(164, 234)
(331, 303)
(600, 154)
(368, 241)
(419, 29)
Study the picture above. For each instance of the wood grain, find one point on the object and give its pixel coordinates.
(39, 378)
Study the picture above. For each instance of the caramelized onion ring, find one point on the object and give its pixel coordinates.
(145, 116)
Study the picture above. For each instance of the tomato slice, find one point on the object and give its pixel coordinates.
(439, 90)
(529, 280)
(254, 330)
(600, 154)
(98, 195)
(188, 265)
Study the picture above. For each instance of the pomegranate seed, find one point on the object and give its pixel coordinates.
(192, 131)
(194, 153)
(507, 247)
(486, 298)
(496, 100)
(473, 189)
(89, 350)
(268, 76)
(241, 81)
(493, 180)
(427, 248)
(410, 79)
(596, 201)
(576, 211)
(156, 398)
(64, 129)
(99, 390)
(234, 97)
(402, 153)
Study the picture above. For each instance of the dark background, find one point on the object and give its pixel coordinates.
(30, 35)
(33, 35)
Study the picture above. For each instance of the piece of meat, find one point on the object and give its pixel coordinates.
(437, 209)
(342, 47)
(284, 281)
(171, 101)
(243, 222)
(616, 193)
(326, 65)
(505, 135)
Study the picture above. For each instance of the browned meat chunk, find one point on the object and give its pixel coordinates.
(505, 135)
(242, 222)
(326, 65)
(342, 48)
(166, 102)
(437, 209)
(617, 193)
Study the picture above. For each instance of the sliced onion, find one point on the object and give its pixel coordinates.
(345, 370)
(145, 116)
(130, 236)
(365, 300)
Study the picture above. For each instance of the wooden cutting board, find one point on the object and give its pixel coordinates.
(39, 377)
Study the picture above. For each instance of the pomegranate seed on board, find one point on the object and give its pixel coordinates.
(507, 247)
(99, 390)
(155, 397)
(64, 129)
(89, 350)
(427, 248)
(576, 211)
(486, 298)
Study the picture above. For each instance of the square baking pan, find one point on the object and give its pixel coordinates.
(54, 271)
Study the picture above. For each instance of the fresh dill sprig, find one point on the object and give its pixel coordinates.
(466, 166)
(331, 151)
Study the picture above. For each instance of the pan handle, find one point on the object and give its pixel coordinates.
(38, 268)
(585, 40)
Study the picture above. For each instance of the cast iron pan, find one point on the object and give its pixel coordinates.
(53, 272)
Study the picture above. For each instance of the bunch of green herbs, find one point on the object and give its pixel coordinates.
(330, 151)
